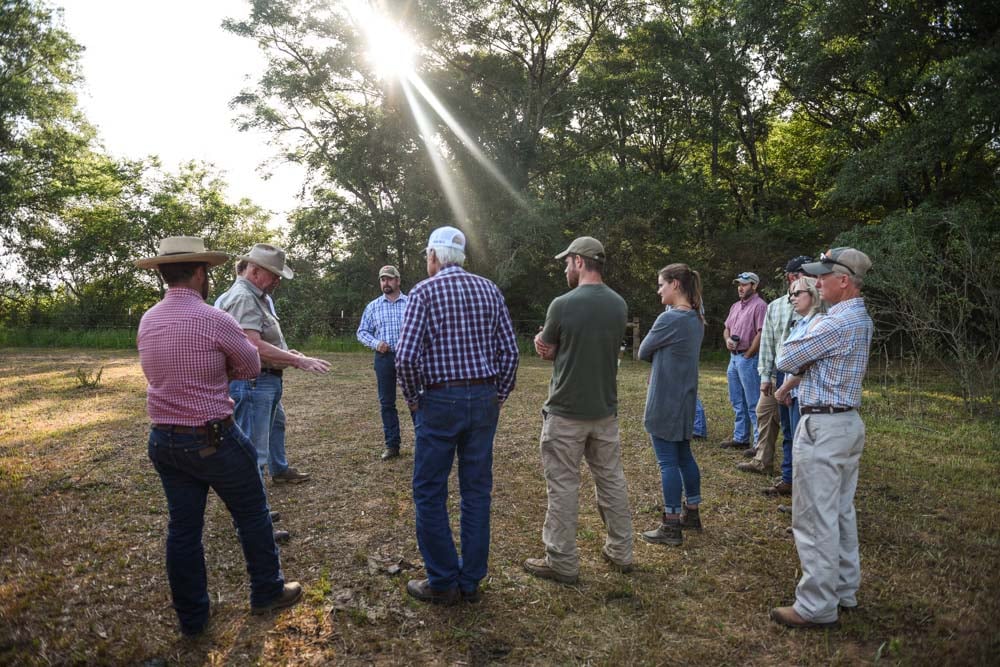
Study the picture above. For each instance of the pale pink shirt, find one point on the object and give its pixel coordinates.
(189, 351)
(745, 319)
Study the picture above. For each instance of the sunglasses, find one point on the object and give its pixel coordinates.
(792, 295)
(826, 259)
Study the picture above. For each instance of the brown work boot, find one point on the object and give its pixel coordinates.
(749, 452)
(790, 618)
(733, 444)
(754, 465)
(289, 596)
(690, 519)
(780, 488)
(669, 532)
(624, 568)
(540, 568)
(290, 476)
(421, 590)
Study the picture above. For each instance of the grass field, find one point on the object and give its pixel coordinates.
(83, 519)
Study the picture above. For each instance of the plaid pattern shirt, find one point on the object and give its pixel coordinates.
(382, 321)
(837, 347)
(189, 351)
(777, 324)
(456, 327)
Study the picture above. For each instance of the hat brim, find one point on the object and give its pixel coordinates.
(212, 258)
(284, 271)
(818, 268)
(737, 281)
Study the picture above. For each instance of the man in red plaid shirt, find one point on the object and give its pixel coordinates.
(189, 351)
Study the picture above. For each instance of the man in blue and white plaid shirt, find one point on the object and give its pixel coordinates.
(379, 329)
(831, 359)
(457, 361)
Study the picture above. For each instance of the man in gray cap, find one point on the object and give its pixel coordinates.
(258, 402)
(379, 330)
(582, 334)
(831, 359)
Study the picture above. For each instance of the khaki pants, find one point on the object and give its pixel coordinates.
(768, 427)
(564, 442)
(827, 451)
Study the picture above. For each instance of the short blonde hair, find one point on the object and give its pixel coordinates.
(808, 284)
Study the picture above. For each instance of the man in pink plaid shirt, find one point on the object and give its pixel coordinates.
(189, 351)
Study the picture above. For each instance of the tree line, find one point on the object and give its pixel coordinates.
(728, 134)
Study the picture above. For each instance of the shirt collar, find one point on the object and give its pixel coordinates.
(454, 268)
(258, 292)
(183, 293)
(850, 304)
(400, 299)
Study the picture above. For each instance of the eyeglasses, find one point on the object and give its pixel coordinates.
(826, 259)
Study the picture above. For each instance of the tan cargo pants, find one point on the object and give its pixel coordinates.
(564, 442)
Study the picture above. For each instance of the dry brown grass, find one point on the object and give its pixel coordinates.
(83, 515)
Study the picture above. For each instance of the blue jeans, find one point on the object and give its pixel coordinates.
(678, 470)
(188, 465)
(260, 415)
(700, 422)
(744, 390)
(450, 420)
(385, 375)
(786, 444)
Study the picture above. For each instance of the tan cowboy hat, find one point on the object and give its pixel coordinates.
(269, 257)
(176, 249)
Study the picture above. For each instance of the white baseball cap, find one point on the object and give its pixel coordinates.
(447, 237)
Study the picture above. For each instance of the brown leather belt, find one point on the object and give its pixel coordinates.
(822, 409)
(461, 383)
(193, 430)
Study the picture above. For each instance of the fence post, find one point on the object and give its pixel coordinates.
(635, 339)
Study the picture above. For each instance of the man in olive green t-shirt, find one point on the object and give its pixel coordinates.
(582, 334)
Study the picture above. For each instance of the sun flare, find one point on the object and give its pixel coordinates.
(391, 50)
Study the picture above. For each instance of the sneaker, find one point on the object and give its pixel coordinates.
(390, 453)
(749, 452)
(733, 444)
(780, 488)
(421, 590)
(624, 568)
(669, 532)
(690, 519)
(275, 517)
(290, 595)
(290, 476)
(753, 465)
(539, 567)
(282, 536)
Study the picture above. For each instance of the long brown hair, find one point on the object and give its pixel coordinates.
(689, 282)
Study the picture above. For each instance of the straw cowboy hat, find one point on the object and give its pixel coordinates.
(177, 249)
(269, 257)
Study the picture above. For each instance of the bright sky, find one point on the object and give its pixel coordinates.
(158, 80)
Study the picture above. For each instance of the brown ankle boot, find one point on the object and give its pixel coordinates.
(690, 519)
(669, 532)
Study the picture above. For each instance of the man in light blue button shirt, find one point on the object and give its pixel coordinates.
(379, 330)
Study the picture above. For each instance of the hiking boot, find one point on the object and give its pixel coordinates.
(733, 444)
(749, 452)
(753, 465)
(290, 476)
(780, 488)
(275, 517)
(539, 567)
(669, 532)
(290, 595)
(472, 597)
(690, 519)
(790, 618)
(421, 590)
(390, 453)
(624, 568)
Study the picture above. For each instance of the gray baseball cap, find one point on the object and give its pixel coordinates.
(846, 261)
(585, 246)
